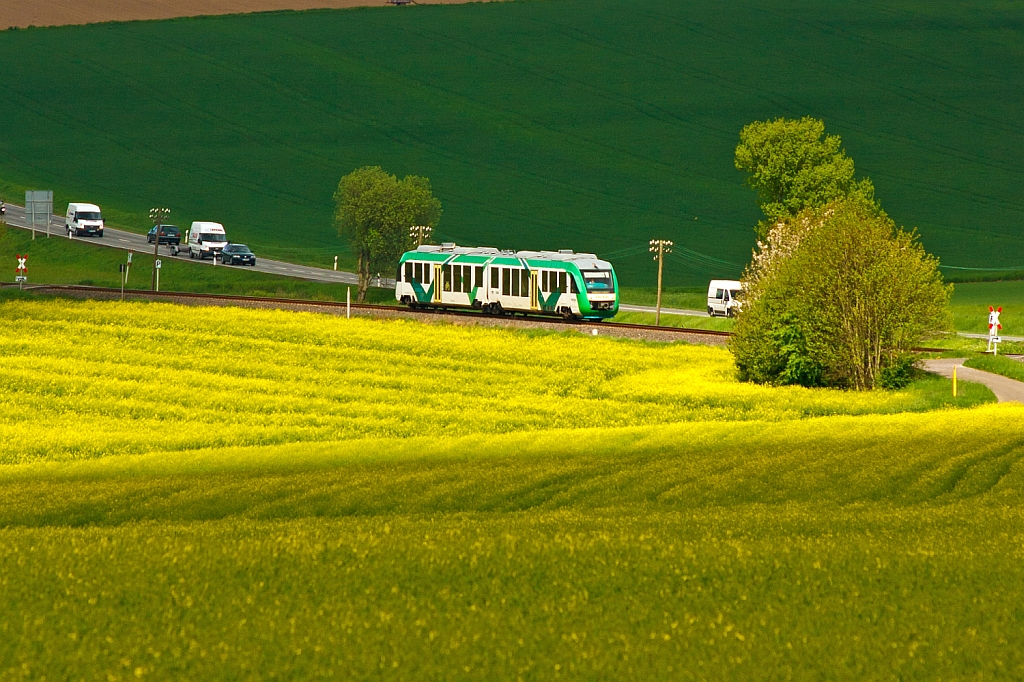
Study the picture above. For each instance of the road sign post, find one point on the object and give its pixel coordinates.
(159, 217)
(38, 207)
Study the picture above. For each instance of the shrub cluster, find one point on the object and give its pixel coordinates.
(838, 296)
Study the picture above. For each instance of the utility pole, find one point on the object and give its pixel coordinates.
(420, 234)
(659, 247)
(159, 217)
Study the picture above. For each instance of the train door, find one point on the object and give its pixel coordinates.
(493, 283)
(437, 282)
(534, 303)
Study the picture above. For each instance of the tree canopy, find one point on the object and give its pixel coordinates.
(837, 296)
(374, 212)
(793, 165)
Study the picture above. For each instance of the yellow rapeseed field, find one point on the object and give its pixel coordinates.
(223, 494)
(86, 379)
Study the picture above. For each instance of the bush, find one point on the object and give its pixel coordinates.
(836, 297)
(899, 373)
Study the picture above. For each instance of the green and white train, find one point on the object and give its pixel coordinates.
(572, 285)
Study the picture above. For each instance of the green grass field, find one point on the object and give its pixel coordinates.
(593, 124)
(971, 302)
(360, 499)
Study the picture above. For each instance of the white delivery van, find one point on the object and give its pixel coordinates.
(206, 240)
(724, 297)
(83, 219)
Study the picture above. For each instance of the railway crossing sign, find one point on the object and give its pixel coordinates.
(994, 327)
(21, 273)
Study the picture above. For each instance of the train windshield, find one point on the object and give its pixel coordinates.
(599, 281)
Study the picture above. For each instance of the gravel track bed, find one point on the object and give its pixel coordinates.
(603, 329)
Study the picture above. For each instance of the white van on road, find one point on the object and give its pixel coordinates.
(83, 219)
(206, 240)
(724, 297)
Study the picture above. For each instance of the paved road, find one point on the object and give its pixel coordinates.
(664, 311)
(1006, 389)
(985, 336)
(129, 241)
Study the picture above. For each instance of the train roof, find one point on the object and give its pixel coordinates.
(584, 261)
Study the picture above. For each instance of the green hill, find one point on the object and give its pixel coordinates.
(593, 124)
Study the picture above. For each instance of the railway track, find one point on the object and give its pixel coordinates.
(106, 293)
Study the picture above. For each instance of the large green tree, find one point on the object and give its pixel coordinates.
(837, 296)
(374, 212)
(793, 165)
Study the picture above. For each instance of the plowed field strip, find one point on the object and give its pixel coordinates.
(23, 13)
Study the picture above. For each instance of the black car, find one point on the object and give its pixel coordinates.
(169, 234)
(237, 254)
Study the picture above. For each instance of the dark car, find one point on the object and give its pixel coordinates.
(169, 234)
(237, 254)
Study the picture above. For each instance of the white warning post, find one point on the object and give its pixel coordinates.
(993, 330)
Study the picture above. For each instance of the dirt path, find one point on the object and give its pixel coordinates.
(24, 13)
(1006, 389)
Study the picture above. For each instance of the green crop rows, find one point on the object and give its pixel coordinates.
(591, 124)
(241, 494)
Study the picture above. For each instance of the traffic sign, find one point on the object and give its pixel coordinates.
(159, 263)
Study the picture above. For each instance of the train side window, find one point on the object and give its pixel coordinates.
(525, 287)
(506, 282)
(408, 271)
(464, 278)
(447, 278)
(572, 283)
(544, 281)
(494, 277)
(479, 277)
(417, 272)
(515, 281)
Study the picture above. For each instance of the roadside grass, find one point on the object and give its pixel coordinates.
(688, 321)
(571, 124)
(367, 499)
(59, 260)
(1008, 367)
(671, 297)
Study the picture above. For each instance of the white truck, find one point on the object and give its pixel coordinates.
(83, 219)
(206, 240)
(724, 297)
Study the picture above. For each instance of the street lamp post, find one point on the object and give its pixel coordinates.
(420, 234)
(159, 217)
(659, 247)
